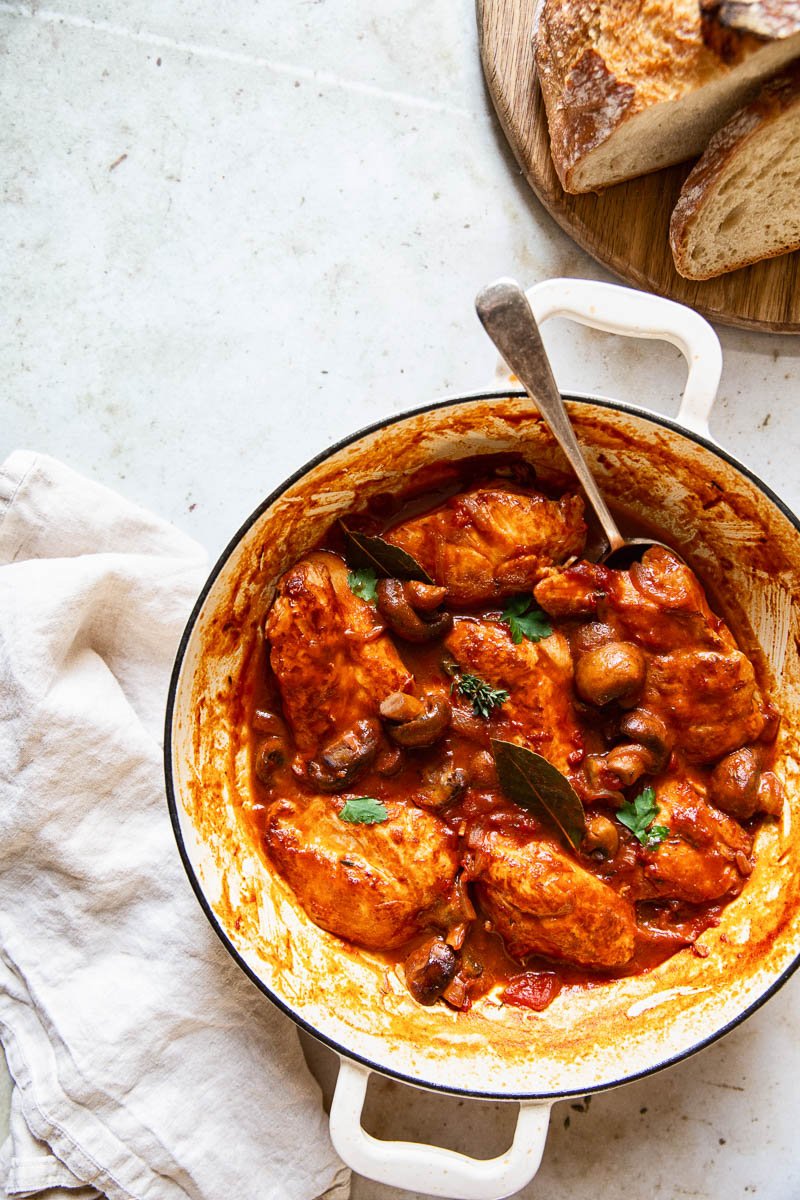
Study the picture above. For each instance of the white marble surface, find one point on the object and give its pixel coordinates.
(232, 233)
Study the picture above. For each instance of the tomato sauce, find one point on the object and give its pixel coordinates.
(663, 926)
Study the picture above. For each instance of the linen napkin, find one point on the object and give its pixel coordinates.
(146, 1065)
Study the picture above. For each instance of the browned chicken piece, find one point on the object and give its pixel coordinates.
(493, 541)
(660, 604)
(538, 678)
(698, 682)
(541, 902)
(332, 659)
(707, 853)
(708, 699)
(375, 885)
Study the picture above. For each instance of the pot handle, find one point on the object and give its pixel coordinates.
(616, 309)
(431, 1169)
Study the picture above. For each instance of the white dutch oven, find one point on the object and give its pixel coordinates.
(745, 545)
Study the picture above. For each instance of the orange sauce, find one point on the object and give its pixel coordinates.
(664, 927)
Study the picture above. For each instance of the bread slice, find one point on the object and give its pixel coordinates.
(741, 202)
(733, 28)
(630, 86)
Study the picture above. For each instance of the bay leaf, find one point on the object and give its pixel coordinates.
(368, 550)
(534, 783)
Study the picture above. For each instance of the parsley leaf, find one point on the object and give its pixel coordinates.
(363, 583)
(639, 816)
(482, 695)
(656, 834)
(363, 810)
(524, 620)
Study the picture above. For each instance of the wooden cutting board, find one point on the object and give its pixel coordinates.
(625, 228)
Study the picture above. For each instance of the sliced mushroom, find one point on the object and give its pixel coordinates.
(267, 722)
(457, 992)
(649, 731)
(424, 597)
(441, 785)
(613, 671)
(389, 760)
(399, 706)
(600, 783)
(395, 601)
(426, 728)
(471, 967)
(771, 795)
(629, 762)
(340, 762)
(270, 756)
(429, 969)
(601, 839)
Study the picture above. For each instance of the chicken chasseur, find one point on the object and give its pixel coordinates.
(382, 704)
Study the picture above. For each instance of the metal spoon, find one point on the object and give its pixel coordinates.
(508, 319)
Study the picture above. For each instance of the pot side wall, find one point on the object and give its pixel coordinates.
(741, 545)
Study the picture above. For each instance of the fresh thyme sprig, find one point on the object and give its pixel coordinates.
(481, 694)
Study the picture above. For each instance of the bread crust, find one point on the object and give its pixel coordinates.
(734, 28)
(729, 143)
(602, 63)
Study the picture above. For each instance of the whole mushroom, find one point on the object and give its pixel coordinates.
(612, 671)
(601, 840)
(429, 969)
(739, 786)
(733, 786)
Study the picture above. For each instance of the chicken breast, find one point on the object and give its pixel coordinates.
(707, 699)
(538, 678)
(660, 604)
(698, 681)
(333, 662)
(375, 885)
(703, 857)
(542, 902)
(492, 541)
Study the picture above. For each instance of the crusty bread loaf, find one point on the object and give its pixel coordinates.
(741, 202)
(734, 28)
(630, 86)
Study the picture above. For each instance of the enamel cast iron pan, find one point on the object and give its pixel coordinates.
(744, 544)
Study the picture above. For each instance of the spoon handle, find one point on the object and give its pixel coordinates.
(508, 319)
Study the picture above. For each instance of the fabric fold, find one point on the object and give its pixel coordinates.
(146, 1065)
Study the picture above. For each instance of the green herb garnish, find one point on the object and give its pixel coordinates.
(524, 620)
(363, 810)
(363, 583)
(639, 817)
(481, 694)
